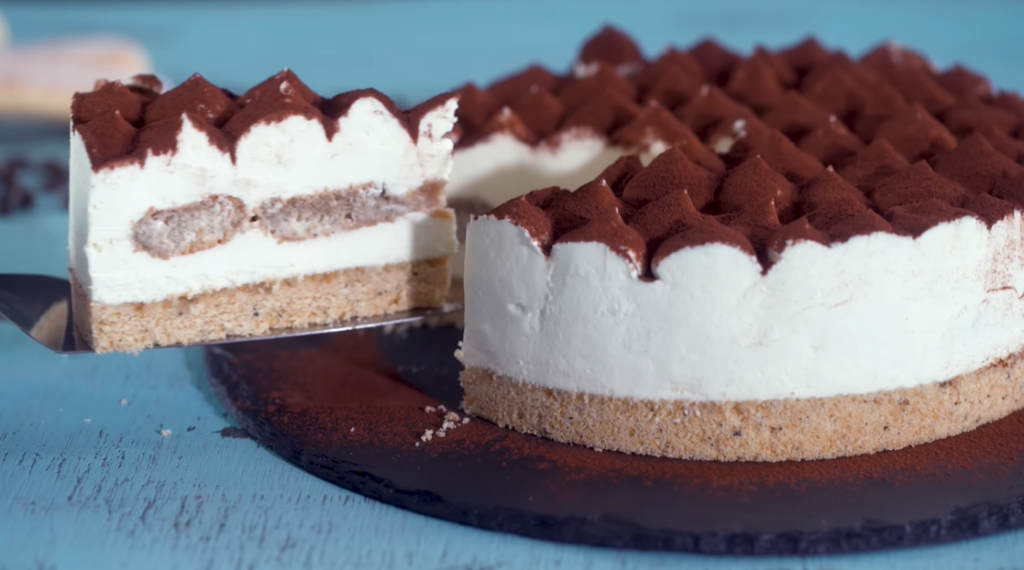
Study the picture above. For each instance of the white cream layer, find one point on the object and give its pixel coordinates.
(503, 167)
(878, 312)
(281, 160)
(119, 274)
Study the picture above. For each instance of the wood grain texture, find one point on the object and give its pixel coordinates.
(113, 493)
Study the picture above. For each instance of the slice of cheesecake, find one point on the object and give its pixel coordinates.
(197, 214)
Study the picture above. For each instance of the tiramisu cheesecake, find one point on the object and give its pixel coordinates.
(534, 129)
(197, 214)
(852, 282)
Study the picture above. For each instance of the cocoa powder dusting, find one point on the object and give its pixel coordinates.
(219, 114)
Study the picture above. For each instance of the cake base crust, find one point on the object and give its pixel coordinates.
(257, 309)
(771, 430)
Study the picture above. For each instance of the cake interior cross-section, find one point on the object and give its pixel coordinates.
(826, 259)
(197, 214)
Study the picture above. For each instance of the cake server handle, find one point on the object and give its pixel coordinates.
(40, 306)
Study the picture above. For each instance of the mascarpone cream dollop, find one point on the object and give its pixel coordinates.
(277, 142)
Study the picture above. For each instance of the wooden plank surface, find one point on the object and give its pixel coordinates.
(86, 479)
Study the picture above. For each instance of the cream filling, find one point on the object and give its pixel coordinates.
(117, 273)
(877, 312)
(283, 160)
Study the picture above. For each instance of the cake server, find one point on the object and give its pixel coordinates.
(40, 306)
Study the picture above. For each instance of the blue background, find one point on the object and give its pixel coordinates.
(86, 482)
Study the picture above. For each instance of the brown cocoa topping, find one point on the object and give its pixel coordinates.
(877, 161)
(794, 232)
(755, 83)
(672, 88)
(702, 156)
(1010, 189)
(737, 140)
(1012, 102)
(971, 115)
(709, 108)
(671, 172)
(828, 188)
(161, 137)
(963, 82)
(805, 55)
(757, 221)
(654, 125)
(146, 82)
(217, 112)
(892, 58)
(546, 196)
(671, 60)
(831, 143)
(475, 107)
(107, 138)
(988, 208)
(603, 113)
(611, 46)
(521, 212)
(795, 116)
(708, 231)
(716, 61)
(920, 87)
(672, 213)
(576, 92)
(275, 100)
(917, 184)
(112, 97)
(785, 158)
(919, 217)
(1007, 145)
(623, 240)
(196, 96)
(841, 224)
(752, 183)
(506, 121)
(509, 88)
(975, 165)
(779, 65)
(571, 210)
(539, 110)
(915, 134)
(836, 90)
(883, 103)
(837, 208)
(619, 173)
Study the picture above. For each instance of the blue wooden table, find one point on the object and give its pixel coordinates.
(86, 479)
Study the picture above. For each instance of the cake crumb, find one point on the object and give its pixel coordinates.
(124, 402)
(351, 430)
(450, 421)
(430, 409)
(165, 432)
(417, 444)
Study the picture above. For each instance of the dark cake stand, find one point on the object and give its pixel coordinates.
(350, 408)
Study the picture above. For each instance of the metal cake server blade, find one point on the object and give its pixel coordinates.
(40, 306)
